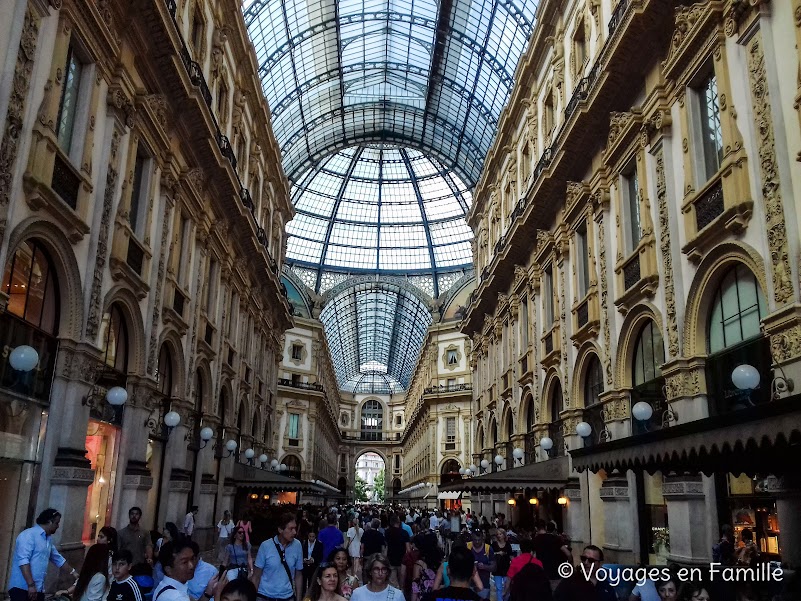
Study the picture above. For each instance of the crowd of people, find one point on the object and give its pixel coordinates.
(365, 553)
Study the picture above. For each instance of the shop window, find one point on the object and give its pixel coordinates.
(114, 340)
(707, 117)
(631, 196)
(654, 532)
(139, 191)
(101, 450)
(753, 507)
(70, 99)
(582, 260)
(30, 283)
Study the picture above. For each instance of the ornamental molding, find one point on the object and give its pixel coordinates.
(72, 476)
(137, 482)
(667, 257)
(16, 111)
(769, 173)
(683, 489)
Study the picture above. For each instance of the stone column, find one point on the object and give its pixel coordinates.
(575, 518)
(620, 530)
(685, 390)
(687, 515)
(788, 506)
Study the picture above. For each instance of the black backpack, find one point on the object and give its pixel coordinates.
(530, 584)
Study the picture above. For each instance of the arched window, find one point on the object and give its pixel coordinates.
(647, 381)
(735, 338)
(396, 487)
(267, 433)
(593, 382)
(510, 427)
(450, 472)
(164, 373)
(30, 283)
(30, 318)
(737, 310)
(556, 401)
(479, 439)
(372, 420)
(222, 409)
(254, 425)
(649, 354)
(114, 340)
(293, 466)
(493, 432)
(198, 391)
(531, 414)
(240, 425)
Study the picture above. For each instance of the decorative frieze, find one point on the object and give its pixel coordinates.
(72, 476)
(667, 257)
(16, 111)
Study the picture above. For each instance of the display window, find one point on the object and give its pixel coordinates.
(101, 447)
(753, 508)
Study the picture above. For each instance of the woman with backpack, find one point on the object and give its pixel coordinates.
(526, 580)
(422, 579)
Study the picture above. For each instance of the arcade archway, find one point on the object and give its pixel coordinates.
(370, 478)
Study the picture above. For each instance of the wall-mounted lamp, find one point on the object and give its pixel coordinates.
(518, 454)
(274, 465)
(230, 446)
(115, 396)
(263, 459)
(498, 461)
(583, 429)
(249, 455)
(546, 444)
(511, 502)
(206, 434)
(254, 496)
(562, 500)
(484, 466)
(162, 423)
(266, 497)
(533, 501)
(23, 358)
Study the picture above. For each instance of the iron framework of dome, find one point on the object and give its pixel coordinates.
(428, 74)
(381, 209)
(375, 330)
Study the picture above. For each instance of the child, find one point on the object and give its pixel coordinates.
(124, 588)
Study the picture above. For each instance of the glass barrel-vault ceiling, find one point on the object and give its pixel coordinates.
(429, 74)
(375, 331)
(379, 209)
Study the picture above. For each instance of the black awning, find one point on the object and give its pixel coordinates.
(552, 473)
(757, 440)
(250, 477)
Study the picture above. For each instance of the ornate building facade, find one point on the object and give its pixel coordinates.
(636, 236)
(142, 214)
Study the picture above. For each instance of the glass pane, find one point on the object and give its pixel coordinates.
(69, 101)
(710, 127)
(737, 310)
(17, 278)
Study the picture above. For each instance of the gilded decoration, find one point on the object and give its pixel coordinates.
(786, 345)
(16, 111)
(607, 337)
(667, 257)
(686, 19)
(771, 190)
(93, 320)
(682, 384)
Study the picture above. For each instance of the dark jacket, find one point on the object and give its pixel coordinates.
(317, 556)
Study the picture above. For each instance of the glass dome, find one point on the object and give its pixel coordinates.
(380, 208)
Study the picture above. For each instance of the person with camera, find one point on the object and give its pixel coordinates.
(237, 555)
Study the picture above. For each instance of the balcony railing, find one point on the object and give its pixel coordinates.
(447, 388)
(302, 385)
(65, 181)
(631, 272)
(617, 15)
(583, 314)
(709, 206)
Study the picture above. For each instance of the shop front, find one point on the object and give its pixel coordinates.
(737, 468)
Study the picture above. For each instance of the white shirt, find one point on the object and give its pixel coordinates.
(96, 589)
(225, 529)
(355, 537)
(364, 594)
(189, 524)
(178, 592)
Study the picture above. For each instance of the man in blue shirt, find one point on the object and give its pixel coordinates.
(331, 537)
(33, 550)
(278, 574)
